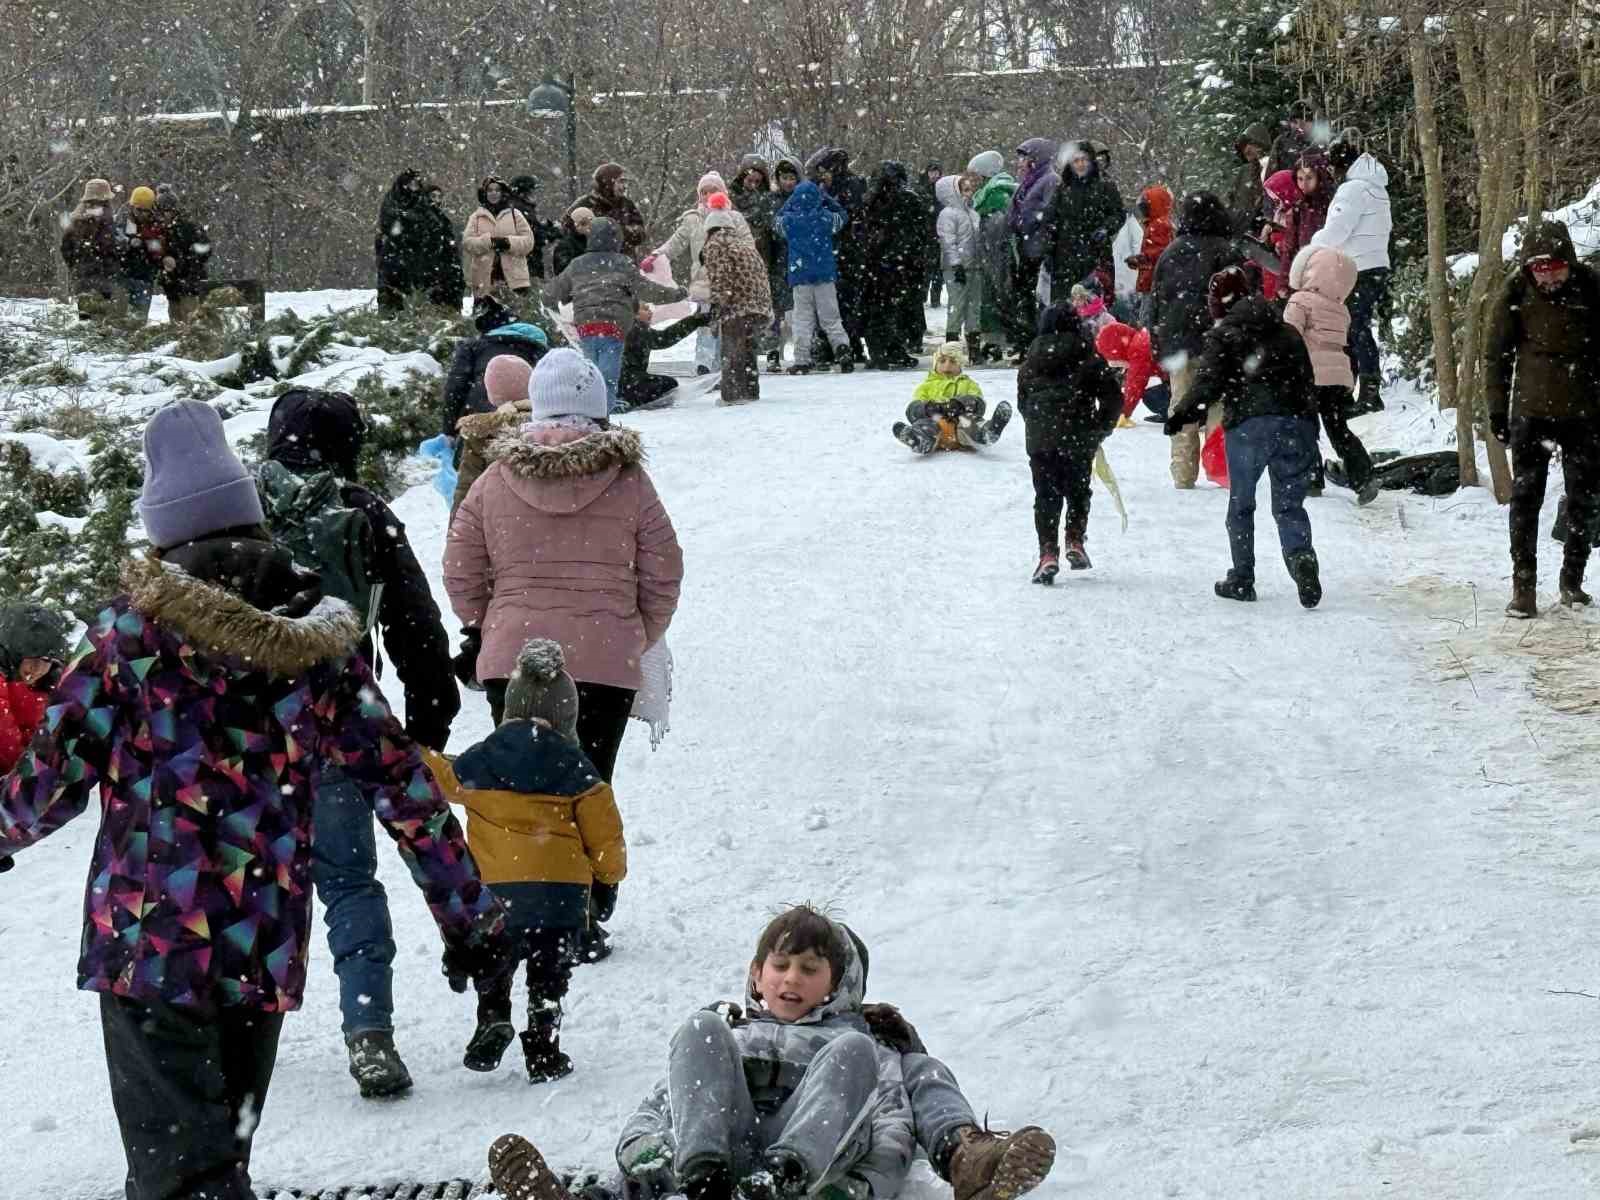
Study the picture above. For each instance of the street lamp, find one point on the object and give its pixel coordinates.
(550, 100)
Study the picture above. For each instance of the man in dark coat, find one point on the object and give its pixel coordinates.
(1179, 316)
(188, 253)
(610, 200)
(1256, 369)
(402, 246)
(927, 182)
(445, 281)
(523, 199)
(894, 240)
(1295, 139)
(1544, 333)
(1084, 216)
(1248, 195)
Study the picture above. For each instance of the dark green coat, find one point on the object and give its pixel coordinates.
(1549, 342)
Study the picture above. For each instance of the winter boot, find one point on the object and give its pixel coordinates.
(991, 1165)
(375, 1064)
(707, 1181)
(994, 352)
(1302, 566)
(1368, 491)
(488, 1045)
(975, 354)
(800, 369)
(541, 1046)
(847, 364)
(1558, 531)
(774, 361)
(518, 1171)
(1077, 557)
(1367, 398)
(917, 438)
(594, 945)
(1572, 593)
(1235, 587)
(1049, 566)
(781, 1177)
(1524, 604)
(996, 425)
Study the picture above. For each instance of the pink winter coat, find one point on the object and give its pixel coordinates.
(564, 537)
(1321, 277)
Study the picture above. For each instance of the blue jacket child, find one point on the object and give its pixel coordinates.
(810, 218)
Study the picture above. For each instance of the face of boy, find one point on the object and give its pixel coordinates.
(791, 985)
(32, 670)
(787, 183)
(948, 367)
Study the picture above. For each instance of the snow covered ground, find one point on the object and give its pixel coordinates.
(1237, 900)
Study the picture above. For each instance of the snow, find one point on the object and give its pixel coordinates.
(1237, 900)
(1582, 219)
(48, 454)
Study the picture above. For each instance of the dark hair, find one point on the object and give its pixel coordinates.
(800, 929)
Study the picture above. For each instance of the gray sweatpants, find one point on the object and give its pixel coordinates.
(714, 1119)
(938, 1109)
(965, 306)
(816, 304)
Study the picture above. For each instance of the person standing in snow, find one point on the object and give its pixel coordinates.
(957, 228)
(684, 251)
(524, 198)
(405, 243)
(92, 251)
(33, 647)
(740, 298)
(1294, 139)
(1180, 314)
(893, 239)
(1032, 236)
(185, 260)
(314, 443)
(1083, 217)
(1542, 377)
(1313, 181)
(758, 203)
(810, 218)
(143, 241)
(1155, 211)
(444, 279)
(497, 241)
(927, 189)
(609, 199)
(830, 169)
(196, 715)
(991, 203)
(1358, 224)
(1247, 198)
(1256, 370)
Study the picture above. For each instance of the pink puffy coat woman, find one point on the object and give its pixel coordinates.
(564, 537)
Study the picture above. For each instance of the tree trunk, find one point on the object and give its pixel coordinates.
(1439, 315)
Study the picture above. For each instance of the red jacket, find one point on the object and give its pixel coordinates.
(1157, 233)
(1119, 343)
(21, 711)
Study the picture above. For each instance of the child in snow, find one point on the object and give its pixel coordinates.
(1282, 195)
(1091, 309)
(1070, 403)
(741, 296)
(1128, 350)
(946, 410)
(1256, 368)
(544, 829)
(1155, 212)
(810, 218)
(957, 227)
(790, 1098)
(33, 646)
(1321, 278)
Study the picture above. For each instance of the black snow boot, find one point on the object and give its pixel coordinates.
(708, 1181)
(1235, 587)
(594, 945)
(847, 364)
(975, 349)
(376, 1066)
(781, 1177)
(916, 438)
(519, 1172)
(989, 432)
(1572, 568)
(775, 361)
(1367, 399)
(800, 369)
(488, 1045)
(1302, 566)
(541, 1050)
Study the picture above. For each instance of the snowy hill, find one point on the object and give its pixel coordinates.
(1237, 900)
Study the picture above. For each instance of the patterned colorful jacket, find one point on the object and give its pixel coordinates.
(200, 723)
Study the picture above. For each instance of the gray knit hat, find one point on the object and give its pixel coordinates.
(566, 384)
(540, 688)
(193, 482)
(988, 164)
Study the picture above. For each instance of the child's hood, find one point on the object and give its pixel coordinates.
(947, 191)
(807, 198)
(526, 757)
(1281, 187)
(846, 999)
(1158, 201)
(1328, 272)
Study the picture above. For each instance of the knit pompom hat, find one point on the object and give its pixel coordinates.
(566, 384)
(987, 164)
(710, 183)
(952, 351)
(505, 379)
(194, 484)
(541, 689)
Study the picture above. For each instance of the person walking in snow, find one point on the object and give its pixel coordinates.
(93, 252)
(497, 241)
(1322, 278)
(991, 203)
(1180, 314)
(1032, 237)
(957, 227)
(405, 244)
(895, 236)
(1256, 370)
(544, 828)
(740, 297)
(946, 410)
(1070, 403)
(609, 199)
(465, 392)
(1542, 378)
(684, 251)
(810, 219)
(1358, 223)
(196, 715)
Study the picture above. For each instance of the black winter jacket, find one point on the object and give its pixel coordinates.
(632, 386)
(1084, 217)
(1066, 393)
(1179, 317)
(1254, 365)
(320, 431)
(407, 242)
(463, 384)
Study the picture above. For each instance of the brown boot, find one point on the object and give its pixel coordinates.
(990, 1165)
(519, 1172)
(1524, 604)
(1573, 563)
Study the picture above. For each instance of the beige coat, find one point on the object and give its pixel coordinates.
(480, 254)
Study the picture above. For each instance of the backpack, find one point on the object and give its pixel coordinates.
(308, 517)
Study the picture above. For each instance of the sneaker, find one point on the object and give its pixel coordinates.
(1077, 557)
(800, 369)
(1233, 588)
(1047, 570)
(992, 1165)
(543, 1058)
(376, 1065)
(519, 1172)
(488, 1045)
(1303, 570)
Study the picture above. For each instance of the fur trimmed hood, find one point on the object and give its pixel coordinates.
(215, 620)
(481, 427)
(590, 454)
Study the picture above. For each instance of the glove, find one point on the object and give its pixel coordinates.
(603, 901)
(1173, 426)
(466, 660)
(889, 1026)
(6, 863)
(960, 275)
(647, 263)
(500, 244)
(483, 956)
(1500, 426)
(169, 264)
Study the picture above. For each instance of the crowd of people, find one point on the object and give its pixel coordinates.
(225, 713)
(118, 257)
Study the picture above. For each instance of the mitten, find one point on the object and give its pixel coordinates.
(647, 263)
(1173, 426)
(6, 863)
(889, 1025)
(603, 900)
(466, 660)
(483, 956)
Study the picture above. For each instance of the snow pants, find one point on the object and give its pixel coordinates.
(817, 304)
(715, 1120)
(1187, 441)
(965, 311)
(355, 908)
(1062, 475)
(548, 956)
(1333, 405)
(939, 1111)
(188, 1086)
(1533, 441)
(1285, 448)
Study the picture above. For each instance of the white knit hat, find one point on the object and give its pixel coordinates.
(566, 384)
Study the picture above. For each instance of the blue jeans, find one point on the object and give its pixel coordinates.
(606, 354)
(344, 866)
(1286, 448)
(1371, 287)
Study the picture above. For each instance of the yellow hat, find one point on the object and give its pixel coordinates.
(142, 197)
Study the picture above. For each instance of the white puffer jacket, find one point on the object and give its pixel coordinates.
(958, 225)
(1358, 219)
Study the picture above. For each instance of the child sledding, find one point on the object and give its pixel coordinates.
(947, 409)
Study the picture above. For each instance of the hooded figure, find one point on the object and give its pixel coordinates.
(497, 241)
(609, 200)
(604, 285)
(1028, 216)
(992, 203)
(759, 203)
(1156, 203)
(1310, 209)
(1542, 379)
(524, 196)
(1084, 217)
(91, 249)
(894, 241)
(830, 169)
(1246, 196)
